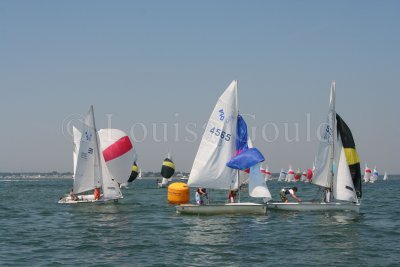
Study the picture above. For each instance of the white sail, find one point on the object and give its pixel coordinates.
(367, 174)
(374, 176)
(290, 175)
(385, 177)
(343, 187)
(282, 175)
(111, 189)
(77, 139)
(87, 175)
(324, 160)
(119, 153)
(267, 174)
(218, 145)
(257, 185)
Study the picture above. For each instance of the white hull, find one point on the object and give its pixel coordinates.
(84, 199)
(230, 208)
(314, 206)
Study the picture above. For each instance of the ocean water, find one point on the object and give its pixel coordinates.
(143, 230)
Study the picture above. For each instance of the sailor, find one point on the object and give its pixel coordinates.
(96, 193)
(289, 191)
(232, 195)
(72, 195)
(200, 194)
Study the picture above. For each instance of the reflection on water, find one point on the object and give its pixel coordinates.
(209, 230)
(342, 217)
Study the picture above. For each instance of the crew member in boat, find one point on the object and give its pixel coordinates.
(289, 191)
(73, 196)
(201, 193)
(96, 193)
(232, 195)
(327, 195)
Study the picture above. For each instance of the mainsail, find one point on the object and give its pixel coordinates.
(324, 160)
(87, 174)
(77, 139)
(217, 145)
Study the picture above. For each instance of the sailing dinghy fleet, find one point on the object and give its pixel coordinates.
(225, 160)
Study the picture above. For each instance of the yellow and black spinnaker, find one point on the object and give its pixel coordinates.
(134, 173)
(168, 168)
(351, 153)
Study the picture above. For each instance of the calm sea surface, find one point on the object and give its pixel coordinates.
(143, 230)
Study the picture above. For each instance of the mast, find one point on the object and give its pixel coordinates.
(97, 146)
(332, 152)
(237, 108)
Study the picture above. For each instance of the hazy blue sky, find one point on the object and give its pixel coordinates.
(152, 64)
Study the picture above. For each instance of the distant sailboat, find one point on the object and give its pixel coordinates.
(282, 175)
(374, 176)
(385, 177)
(266, 172)
(290, 175)
(367, 174)
(167, 170)
(304, 177)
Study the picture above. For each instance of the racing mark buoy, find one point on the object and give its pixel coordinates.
(178, 193)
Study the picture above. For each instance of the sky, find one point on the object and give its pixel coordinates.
(155, 70)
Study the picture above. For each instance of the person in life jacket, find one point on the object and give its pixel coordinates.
(289, 191)
(96, 193)
(232, 195)
(200, 194)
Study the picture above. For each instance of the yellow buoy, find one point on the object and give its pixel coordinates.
(178, 193)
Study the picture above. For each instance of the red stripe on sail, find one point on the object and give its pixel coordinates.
(117, 149)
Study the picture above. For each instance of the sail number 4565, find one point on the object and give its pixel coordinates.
(222, 134)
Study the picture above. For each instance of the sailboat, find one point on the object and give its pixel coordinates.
(91, 171)
(367, 174)
(374, 176)
(290, 175)
(282, 175)
(218, 150)
(337, 169)
(140, 174)
(167, 170)
(267, 174)
(385, 177)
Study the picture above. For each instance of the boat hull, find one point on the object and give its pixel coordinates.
(230, 208)
(314, 206)
(85, 199)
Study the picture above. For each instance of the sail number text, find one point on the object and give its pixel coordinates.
(222, 134)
